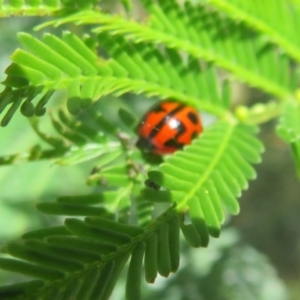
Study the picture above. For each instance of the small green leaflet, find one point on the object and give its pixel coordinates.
(209, 175)
(289, 129)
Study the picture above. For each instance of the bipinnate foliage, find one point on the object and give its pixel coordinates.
(189, 52)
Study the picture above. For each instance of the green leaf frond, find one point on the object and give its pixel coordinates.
(58, 148)
(207, 176)
(72, 142)
(190, 82)
(84, 258)
(204, 33)
(172, 54)
(263, 16)
(67, 63)
(10, 8)
(289, 129)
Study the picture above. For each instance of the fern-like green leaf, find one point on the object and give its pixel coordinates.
(84, 258)
(77, 142)
(263, 16)
(173, 54)
(235, 48)
(111, 203)
(143, 61)
(205, 34)
(209, 175)
(67, 63)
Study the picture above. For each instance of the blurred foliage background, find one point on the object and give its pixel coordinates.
(257, 255)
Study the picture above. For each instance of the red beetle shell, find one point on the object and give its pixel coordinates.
(167, 127)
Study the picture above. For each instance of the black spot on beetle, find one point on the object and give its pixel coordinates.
(173, 144)
(193, 117)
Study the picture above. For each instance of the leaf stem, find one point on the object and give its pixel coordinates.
(259, 113)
